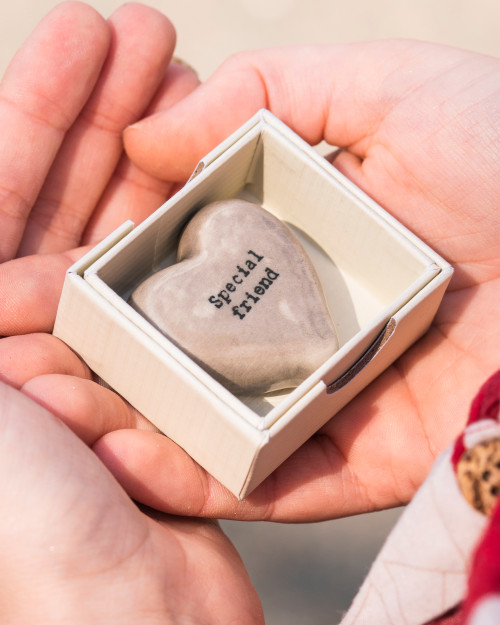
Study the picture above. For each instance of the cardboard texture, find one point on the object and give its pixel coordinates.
(383, 286)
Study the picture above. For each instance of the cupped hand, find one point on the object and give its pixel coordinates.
(77, 549)
(419, 128)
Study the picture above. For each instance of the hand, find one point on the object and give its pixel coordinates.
(378, 449)
(65, 181)
(419, 129)
(77, 549)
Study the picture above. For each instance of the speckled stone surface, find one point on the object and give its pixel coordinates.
(243, 300)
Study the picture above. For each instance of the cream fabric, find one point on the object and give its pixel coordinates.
(421, 571)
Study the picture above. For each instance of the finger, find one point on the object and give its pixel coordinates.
(337, 93)
(30, 289)
(348, 164)
(242, 85)
(87, 408)
(312, 485)
(25, 357)
(133, 194)
(142, 41)
(180, 80)
(179, 484)
(37, 107)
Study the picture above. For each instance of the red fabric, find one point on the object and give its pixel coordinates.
(484, 578)
(486, 405)
(455, 616)
(487, 402)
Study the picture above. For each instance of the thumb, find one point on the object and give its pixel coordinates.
(338, 93)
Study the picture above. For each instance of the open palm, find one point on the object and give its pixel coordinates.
(420, 127)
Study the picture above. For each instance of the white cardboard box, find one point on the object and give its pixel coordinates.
(382, 283)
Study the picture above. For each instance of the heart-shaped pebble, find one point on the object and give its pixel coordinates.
(243, 300)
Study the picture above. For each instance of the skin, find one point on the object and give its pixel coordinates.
(418, 127)
(75, 547)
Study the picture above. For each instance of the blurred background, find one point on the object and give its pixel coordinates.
(211, 30)
(303, 573)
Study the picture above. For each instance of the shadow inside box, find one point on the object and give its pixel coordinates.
(310, 573)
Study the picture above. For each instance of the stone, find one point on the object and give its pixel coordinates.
(243, 300)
